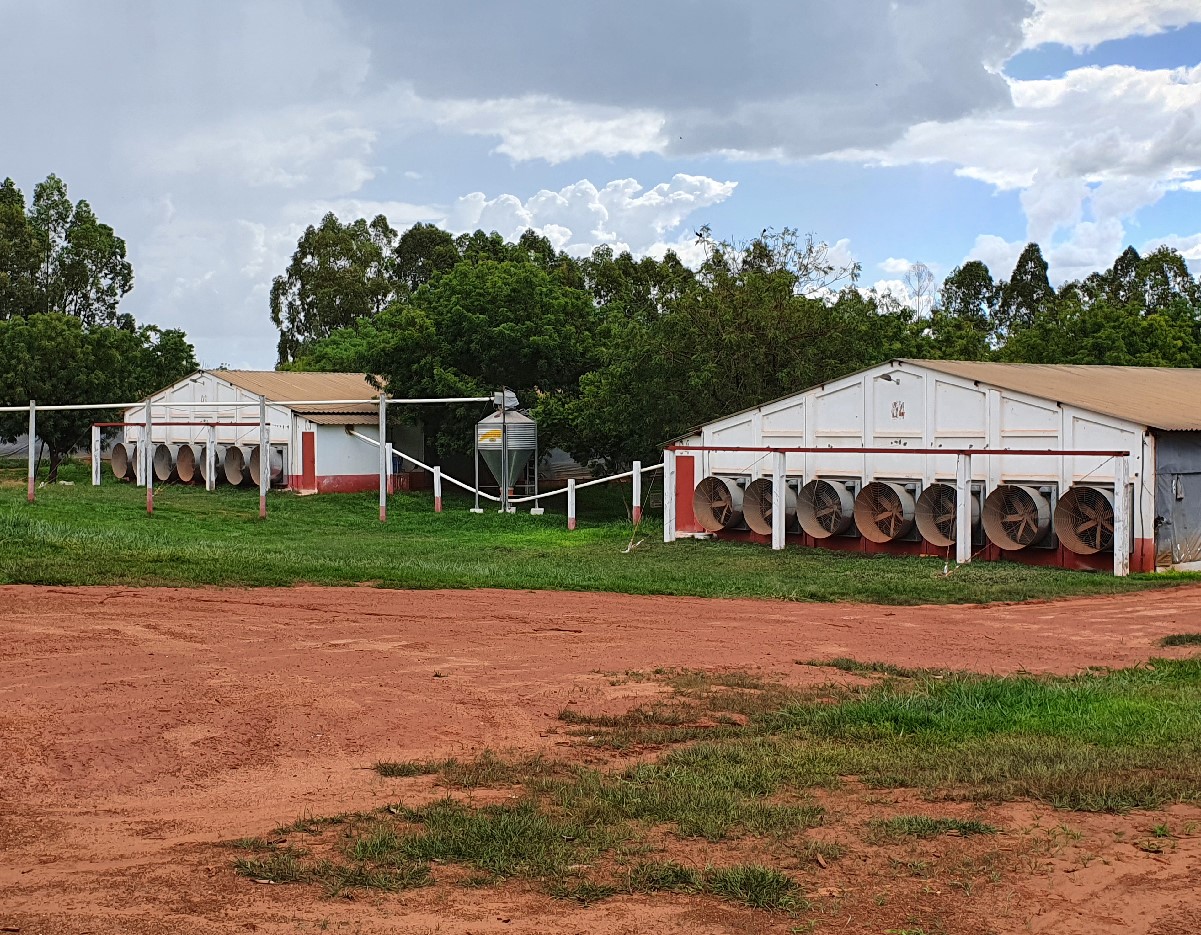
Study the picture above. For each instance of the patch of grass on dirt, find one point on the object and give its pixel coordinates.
(1099, 741)
(1181, 639)
(855, 667)
(81, 535)
(921, 826)
(755, 885)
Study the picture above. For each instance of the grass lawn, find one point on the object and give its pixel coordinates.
(80, 535)
(739, 763)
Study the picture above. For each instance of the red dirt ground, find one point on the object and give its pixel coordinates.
(141, 727)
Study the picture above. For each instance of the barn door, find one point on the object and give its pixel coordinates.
(308, 460)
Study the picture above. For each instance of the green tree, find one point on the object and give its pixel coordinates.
(759, 324)
(961, 322)
(422, 251)
(56, 257)
(1027, 292)
(56, 360)
(338, 274)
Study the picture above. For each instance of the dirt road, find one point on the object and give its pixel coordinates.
(140, 726)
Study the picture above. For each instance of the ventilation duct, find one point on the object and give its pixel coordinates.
(185, 464)
(164, 462)
(275, 469)
(937, 514)
(757, 506)
(234, 465)
(123, 459)
(825, 508)
(1084, 520)
(1017, 516)
(717, 504)
(883, 511)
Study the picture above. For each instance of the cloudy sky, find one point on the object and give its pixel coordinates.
(210, 132)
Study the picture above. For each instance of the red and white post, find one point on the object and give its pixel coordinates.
(636, 492)
(383, 457)
(264, 457)
(33, 463)
(571, 503)
(148, 461)
(437, 489)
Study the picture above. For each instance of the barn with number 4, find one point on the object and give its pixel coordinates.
(990, 433)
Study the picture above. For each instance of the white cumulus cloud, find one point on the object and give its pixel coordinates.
(1085, 23)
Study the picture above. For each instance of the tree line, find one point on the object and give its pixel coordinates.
(63, 339)
(616, 354)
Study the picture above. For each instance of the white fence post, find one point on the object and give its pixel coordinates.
(148, 461)
(963, 508)
(571, 503)
(636, 492)
(95, 456)
(437, 489)
(778, 469)
(32, 461)
(383, 457)
(669, 495)
(264, 457)
(1121, 516)
(210, 458)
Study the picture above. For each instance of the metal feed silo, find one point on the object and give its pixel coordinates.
(506, 440)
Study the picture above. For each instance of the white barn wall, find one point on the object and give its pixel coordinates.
(899, 405)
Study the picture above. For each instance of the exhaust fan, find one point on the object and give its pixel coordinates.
(883, 511)
(1017, 516)
(825, 508)
(757, 506)
(937, 514)
(717, 503)
(1084, 520)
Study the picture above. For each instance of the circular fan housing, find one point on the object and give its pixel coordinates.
(185, 464)
(883, 511)
(757, 506)
(825, 509)
(937, 513)
(122, 460)
(717, 504)
(1016, 516)
(1084, 520)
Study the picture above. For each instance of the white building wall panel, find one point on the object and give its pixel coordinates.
(339, 453)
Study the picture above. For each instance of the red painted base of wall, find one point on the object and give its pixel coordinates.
(1142, 558)
(362, 483)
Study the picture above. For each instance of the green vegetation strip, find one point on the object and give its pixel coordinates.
(741, 761)
(80, 535)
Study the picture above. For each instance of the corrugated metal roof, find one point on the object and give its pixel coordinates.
(1166, 398)
(290, 384)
